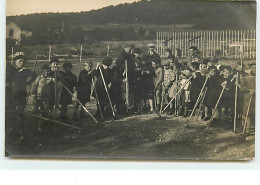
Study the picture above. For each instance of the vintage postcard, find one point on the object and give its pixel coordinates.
(130, 80)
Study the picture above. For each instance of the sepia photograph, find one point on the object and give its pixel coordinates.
(142, 80)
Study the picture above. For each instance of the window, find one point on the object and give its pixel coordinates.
(11, 32)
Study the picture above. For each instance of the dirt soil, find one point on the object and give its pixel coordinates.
(136, 137)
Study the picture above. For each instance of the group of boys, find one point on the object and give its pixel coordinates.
(137, 84)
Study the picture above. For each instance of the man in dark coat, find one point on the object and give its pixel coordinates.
(151, 54)
(70, 81)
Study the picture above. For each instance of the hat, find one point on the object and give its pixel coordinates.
(195, 65)
(107, 61)
(18, 56)
(151, 45)
(67, 64)
(137, 50)
(221, 68)
(205, 61)
(212, 67)
(204, 70)
(166, 62)
(186, 72)
(168, 50)
(227, 68)
(54, 59)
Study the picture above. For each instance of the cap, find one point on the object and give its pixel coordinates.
(151, 45)
(107, 61)
(186, 72)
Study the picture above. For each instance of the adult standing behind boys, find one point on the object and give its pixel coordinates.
(151, 55)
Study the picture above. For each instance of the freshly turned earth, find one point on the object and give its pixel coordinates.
(136, 137)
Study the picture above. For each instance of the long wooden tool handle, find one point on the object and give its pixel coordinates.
(235, 108)
(177, 94)
(97, 99)
(35, 64)
(110, 102)
(248, 109)
(199, 97)
(201, 103)
(127, 95)
(80, 103)
(50, 120)
(216, 106)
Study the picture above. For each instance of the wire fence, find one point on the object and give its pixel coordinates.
(229, 43)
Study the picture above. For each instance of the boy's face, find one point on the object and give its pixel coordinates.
(212, 72)
(238, 67)
(203, 74)
(54, 66)
(136, 55)
(209, 64)
(253, 69)
(45, 73)
(167, 53)
(151, 50)
(174, 68)
(165, 67)
(154, 64)
(226, 73)
(19, 63)
(105, 67)
(87, 67)
(193, 69)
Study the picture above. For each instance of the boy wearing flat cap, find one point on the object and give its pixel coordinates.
(70, 81)
(213, 92)
(22, 81)
(227, 100)
(100, 88)
(196, 82)
(185, 85)
(169, 77)
(56, 76)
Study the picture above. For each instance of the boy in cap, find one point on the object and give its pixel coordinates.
(196, 82)
(100, 88)
(22, 79)
(213, 92)
(158, 79)
(138, 84)
(84, 87)
(148, 74)
(248, 87)
(56, 76)
(118, 87)
(70, 81)
(227, 100)
(169, 77)
(168, 54)
(185, 85)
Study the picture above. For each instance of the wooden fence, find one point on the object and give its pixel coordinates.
(229, 43)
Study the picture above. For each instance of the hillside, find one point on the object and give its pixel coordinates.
(203, 15)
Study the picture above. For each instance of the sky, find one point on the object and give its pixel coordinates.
(18, 7)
